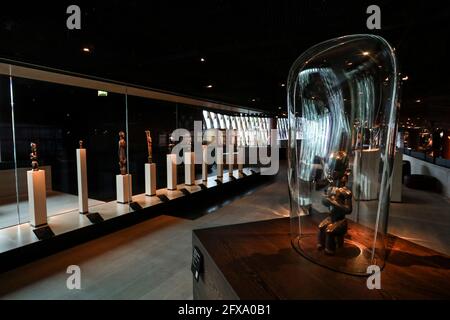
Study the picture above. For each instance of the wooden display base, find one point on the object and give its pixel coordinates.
(255, 261)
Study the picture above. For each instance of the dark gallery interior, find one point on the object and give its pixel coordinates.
(225, 150)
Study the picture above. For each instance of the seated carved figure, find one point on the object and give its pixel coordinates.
(338, 199)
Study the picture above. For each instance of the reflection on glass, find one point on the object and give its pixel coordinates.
(342, 122)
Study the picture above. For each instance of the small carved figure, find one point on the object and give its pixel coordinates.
(34, 157)
(338, 199)
(122, 153)
(149, 146)
(81, 144)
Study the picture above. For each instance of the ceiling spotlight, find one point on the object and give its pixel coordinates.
(279, 108)
(366, 53)
(209, 86)
(202, 60)
(283, 85)
(253, 100)
(418, 101)
(86, 49)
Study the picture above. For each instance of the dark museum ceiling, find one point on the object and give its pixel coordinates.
(248, 46)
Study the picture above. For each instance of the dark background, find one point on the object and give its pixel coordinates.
(249, 46)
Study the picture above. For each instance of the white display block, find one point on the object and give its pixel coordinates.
(230, 161)
(219, 161)
(396, 184)
(230, 169)
(124, 192)
(37, 197)
(172, 172)
(368, 170)
(205, 164)
(189, 168)
(83, 204)
(150, 179)
(240, 161)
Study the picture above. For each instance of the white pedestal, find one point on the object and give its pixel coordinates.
(230, 170)
(172, 172)
(205, 164)
(83, 206)
(396, 184)
(150, 179)
(240, 161)
(37, 198)
(219, 161)
(124, 192)
(189, 168)
(367, 185)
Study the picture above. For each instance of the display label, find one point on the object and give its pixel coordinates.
(95, 217)
(185, 191)
(197, 263)
(163, 198)
(44, 233)
(135, 206)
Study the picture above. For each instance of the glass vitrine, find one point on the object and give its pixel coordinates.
(342, 99)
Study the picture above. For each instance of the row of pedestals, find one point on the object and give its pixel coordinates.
(37, 186)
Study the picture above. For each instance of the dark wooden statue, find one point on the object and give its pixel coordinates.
(338, 199)
(122, 153)
(149, 146)
(34, 157)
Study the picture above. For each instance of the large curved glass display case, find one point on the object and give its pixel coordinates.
(342, 96)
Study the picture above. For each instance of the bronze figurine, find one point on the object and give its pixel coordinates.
(338, 199)
(149, 146)
(122, 153)
(81, 144)
(34, 157)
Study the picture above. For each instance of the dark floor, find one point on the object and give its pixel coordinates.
(152, 260)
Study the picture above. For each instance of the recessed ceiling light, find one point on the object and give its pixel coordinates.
(418, 101)
(86, 49)
(202, 59)
(283, 85)
(366, 53)
(209, 86)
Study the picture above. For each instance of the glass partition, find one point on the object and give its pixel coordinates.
(9, 213)
(159, 118)
(83, 145)
(57, 119)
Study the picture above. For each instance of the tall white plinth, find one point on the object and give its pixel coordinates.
(230, 162)
(240, 161)
(189, 168)
(37, 197)
(124, 191)
(396, 185)
(366, 167)
(172, 172)
(150, 179)
(205, 164)
(219, 161)
(83, 205)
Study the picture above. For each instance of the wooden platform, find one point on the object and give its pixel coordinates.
(257, 261)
